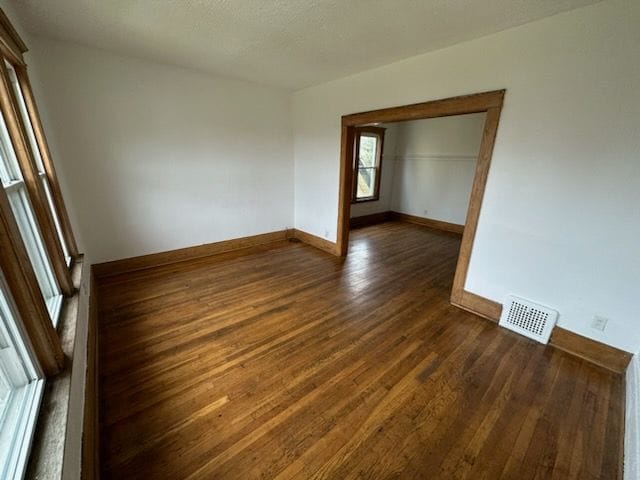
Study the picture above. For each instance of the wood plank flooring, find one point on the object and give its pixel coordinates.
(281, 361)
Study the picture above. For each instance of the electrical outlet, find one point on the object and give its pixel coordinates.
(425, 212)
(326, 233)
(599, 323)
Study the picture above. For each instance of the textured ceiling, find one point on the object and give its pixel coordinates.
(286, 43)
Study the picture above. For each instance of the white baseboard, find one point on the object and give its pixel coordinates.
(632, 422)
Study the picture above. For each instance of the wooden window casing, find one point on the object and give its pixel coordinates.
(378, 133)
(24, 289)
(14, 261)
(35, 188)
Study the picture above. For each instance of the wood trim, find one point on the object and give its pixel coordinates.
(389, 215)
(45, 153)
(428, 222)
(34, 186)
(11, 44)
(344, 199)
(314, 241)
(477, 194)
(478, 305)
(475, 103)
(593, 351)
(90, 432)
(601, 354)
(127, 265)
(378, 132)
(371, 219)
(142, 262)
(490, 102)
(19, 274)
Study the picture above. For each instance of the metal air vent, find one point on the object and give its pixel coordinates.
(528, 318)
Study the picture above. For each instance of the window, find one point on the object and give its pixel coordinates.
(42, 174)
(367, 163)
(21, 388)
(37, 248)
(14, 186)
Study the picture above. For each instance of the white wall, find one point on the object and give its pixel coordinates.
(560, 219)
(435, 166)
(428, 168)
(632, 421)
(156, 157)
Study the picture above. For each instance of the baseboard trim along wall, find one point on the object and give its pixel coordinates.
(143, 262)
(428, 222)
(632, 421)
(189, 253)
(381, 217)
(606, 356)
(318, 242)
(90, 468)
(372, 219)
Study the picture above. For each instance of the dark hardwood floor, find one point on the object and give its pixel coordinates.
(282, 361)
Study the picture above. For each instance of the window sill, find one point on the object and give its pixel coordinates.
(57, 412)
(365, 200)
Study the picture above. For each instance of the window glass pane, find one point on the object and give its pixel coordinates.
(367, 151)
(366, 182)
(23, 213)
(9, 170)
(56, 220)
(5, 176)
(38, 157)
(24, 114)
(26, 224)
(21, 387)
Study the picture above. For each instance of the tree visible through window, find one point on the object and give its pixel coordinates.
(367, 163)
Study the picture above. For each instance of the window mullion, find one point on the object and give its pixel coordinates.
(34, 186)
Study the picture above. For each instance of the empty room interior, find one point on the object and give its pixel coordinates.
(309, 239)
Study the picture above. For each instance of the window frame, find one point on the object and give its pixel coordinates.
(15, 265)
(21, 409)
(41, 171)
(371, 131)
(35, 188)
(25, 291)
(23, 204)
(15, 189)
(49, 171)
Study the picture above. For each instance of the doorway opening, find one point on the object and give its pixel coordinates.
(360, 174)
